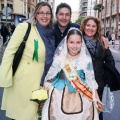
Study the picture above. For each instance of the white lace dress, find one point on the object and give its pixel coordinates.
(64, 105)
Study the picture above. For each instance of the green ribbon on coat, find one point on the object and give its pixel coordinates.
(35, 54)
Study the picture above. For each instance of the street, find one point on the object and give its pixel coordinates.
(114, 115)
(2, 113)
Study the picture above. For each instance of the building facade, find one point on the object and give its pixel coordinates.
(74, 16)
(110, 16)
(20, 10)
(83, 8)
(86, 8)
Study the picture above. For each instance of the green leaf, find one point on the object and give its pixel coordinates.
(79, 20)
(35, 100)
(98, 7)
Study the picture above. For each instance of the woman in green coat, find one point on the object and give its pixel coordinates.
(35, 62)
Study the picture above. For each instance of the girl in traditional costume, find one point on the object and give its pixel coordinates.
(70, 82)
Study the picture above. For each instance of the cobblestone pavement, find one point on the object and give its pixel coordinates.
(116, 46)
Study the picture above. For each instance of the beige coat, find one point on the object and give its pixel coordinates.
(18, 89)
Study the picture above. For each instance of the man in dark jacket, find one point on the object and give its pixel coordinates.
(63, 23)
(108, 35)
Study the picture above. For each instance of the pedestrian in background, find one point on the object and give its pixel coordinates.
(63, 23)
(34, 65)
(113, 39)
(108, 35)
(92, 33)
(12, 28)
(4, 32)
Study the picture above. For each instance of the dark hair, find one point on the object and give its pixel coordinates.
(63, 5)
(38, 6)
(73, 32)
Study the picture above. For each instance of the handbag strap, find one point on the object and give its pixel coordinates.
(27, 33)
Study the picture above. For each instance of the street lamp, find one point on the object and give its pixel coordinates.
(5, 5)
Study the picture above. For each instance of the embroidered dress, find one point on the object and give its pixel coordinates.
(65, 101)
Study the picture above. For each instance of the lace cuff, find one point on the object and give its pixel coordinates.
(47, 85)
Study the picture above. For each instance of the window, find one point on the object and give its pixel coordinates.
(113, 8)
(113, 19)
(107, 21)
(29, 9)
(32, 10)
(2, 6)
(10, 5)
(119, 18)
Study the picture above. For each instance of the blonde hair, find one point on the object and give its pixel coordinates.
(38, 6)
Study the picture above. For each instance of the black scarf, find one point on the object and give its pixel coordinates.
(47, 36)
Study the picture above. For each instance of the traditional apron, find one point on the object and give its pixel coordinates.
(77, 83)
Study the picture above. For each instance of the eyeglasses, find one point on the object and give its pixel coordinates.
(43, 14)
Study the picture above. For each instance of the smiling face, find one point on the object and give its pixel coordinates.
(63, 17)
(74, 44)
(90, 28)
(43, 15)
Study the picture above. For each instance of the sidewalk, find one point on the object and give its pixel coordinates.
(114, 47)
(1, 42)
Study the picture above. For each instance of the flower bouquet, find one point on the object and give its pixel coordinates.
(39, 96)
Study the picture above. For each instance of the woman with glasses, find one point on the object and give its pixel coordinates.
(35, 62)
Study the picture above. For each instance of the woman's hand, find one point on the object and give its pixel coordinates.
(105, 41)
(45, 88)
(100, 103)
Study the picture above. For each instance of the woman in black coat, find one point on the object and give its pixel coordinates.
(92, 34)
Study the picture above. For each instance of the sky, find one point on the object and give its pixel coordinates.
(73, 3)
